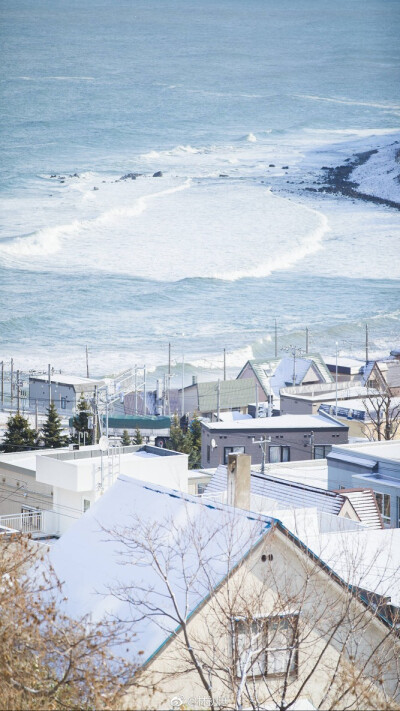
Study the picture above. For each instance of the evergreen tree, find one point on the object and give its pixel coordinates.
(195, 454)
(187, 443)
(19, 436)
(126, 440)
(52, 429)
(81, 420)
(138, 439)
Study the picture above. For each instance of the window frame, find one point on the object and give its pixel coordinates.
(324, 448)
(281, 448)
(265, 624)
(380, 500)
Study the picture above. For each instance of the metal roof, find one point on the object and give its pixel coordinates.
(288, 493)
(364, 504)
(233, 393)
(276, 373)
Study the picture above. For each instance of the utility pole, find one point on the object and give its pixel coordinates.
(366, 344)
(295, 351)
(263, 444)
(224, 363)
(107, 412)
(49, 380)
(94, 435)
(87, 362)
(336, 378)
(312, 443)
(144, 390)
(276, 340)
(218, 399)
(12, 383)
(2, 384)
(183, 384)
(36, 416)
(256, 387)
(18, 391)
(306, 341)
(135, 389)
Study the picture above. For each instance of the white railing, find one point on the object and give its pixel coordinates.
(27, 522)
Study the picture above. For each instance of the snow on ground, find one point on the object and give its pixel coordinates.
(380, 175)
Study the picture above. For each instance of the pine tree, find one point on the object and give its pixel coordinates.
(52, 429)
(19, 436)
(195, 454)
(187, 443)
(81, 420)
(138, 439)
(126, 440)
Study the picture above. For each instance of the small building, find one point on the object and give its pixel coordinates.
(307, 399)
(347, 368)
(286, 438)
(225, 396)
(374, 465)
(272, 374)
(65, 391)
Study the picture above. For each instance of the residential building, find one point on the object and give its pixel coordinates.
(346, 368)
(223, 396)
(383, 375)
(65, 391)
(375, 465)
(307, 399)
(215, 587)
(278, 497)
(275, 373)
(53, 489)
(286, 438)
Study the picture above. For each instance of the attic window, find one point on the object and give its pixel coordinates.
(266, 646)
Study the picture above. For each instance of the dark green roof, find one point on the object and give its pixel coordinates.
(132, 422)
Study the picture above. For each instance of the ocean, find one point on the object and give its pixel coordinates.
(242, 107)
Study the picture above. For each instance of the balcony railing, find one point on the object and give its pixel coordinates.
(26, 522)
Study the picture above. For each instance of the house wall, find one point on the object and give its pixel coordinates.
(299, 442)
(249, 373)
(289, 405)
(269, 588)
(39, 393)
(20, 489)
(341, 475)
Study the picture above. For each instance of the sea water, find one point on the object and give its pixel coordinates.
(239, 105)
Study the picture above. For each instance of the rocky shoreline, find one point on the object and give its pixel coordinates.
(337, 180)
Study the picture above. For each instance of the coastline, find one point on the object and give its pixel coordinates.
(339, 180)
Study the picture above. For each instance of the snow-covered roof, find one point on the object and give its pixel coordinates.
(281, 422)
(289, 494)
(73, 380)
(385, 450)
(366, 558)
(90, 561)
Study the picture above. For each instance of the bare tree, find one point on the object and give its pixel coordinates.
(47, 660)
(383, 412)
(271, 628)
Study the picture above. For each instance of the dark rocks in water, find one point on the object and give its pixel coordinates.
(62, 181)
(53, 176)
(95, 188)
(223, 175)
(62, 177)
(271, 165)
(75, 175)
(285, 167)
(158, 174)
(325, 167)
(130, 176)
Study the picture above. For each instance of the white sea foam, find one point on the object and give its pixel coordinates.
(392, 108)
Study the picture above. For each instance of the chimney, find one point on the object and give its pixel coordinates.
(238, 482)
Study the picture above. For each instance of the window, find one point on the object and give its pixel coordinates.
(267, 646)
(279, 453)
(383, 501)
(63, 403)
(322, 450)
(86, 505)
(208, 453)
(201, 487)
(232, 450)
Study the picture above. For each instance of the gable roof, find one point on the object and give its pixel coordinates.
(276, 373)
(88, 559)
(289, 494)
